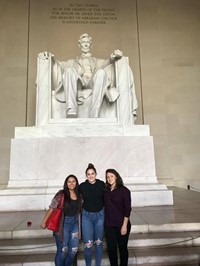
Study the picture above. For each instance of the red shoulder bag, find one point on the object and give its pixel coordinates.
(53, 221)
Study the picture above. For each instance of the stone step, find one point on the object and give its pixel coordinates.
(136, 241)
(19, 198)
(168, 227)
(164, 256)
(27, 246)
(34, 231)
(167, 239)
(144, 257)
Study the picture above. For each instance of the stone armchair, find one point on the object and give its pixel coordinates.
(49, 110)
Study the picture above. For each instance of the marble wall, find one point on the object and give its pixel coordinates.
(165, 56)
(170, 67)
(13, 75)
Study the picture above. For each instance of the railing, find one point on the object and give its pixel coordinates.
(193, 188)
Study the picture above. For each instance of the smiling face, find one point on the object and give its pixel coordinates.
(111, 179)
(91, 176)
(71, 183)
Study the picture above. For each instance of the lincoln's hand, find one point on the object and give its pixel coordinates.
(117, 54)
(45, 55)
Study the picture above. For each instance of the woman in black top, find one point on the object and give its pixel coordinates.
(67, 236)
(92, 191)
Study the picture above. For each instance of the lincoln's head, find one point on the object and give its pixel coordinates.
(85, 43)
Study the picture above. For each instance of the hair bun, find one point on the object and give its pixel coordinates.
(91, 166)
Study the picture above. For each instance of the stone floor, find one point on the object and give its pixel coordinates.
(153, 228)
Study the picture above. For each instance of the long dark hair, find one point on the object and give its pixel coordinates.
(90, 166)
(66, 189)
(119, 181)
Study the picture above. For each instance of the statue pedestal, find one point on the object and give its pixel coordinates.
(41, 158)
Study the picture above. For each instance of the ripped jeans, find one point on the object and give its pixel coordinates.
(92, 232)
(67, 249)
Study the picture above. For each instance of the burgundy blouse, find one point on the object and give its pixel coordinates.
(117, 206)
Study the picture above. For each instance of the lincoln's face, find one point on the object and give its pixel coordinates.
(85, 45)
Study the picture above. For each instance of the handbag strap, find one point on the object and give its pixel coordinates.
(61, 201)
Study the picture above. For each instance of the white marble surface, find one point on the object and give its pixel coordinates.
(40, 199)
(39, 166)
(85, 129)
(42, 157)
(54, 158)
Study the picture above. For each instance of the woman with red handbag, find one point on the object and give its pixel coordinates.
(67, 234)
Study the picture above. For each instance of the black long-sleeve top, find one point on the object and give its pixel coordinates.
(92, 195)
(117, 206)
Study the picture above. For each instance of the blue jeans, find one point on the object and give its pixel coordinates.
(92, 232)
(68, 247)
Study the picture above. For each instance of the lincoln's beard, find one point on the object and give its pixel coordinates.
(85, 49)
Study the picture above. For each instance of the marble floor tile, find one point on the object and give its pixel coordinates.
(185, 210)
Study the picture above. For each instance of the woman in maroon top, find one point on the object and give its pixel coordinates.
(117, 200)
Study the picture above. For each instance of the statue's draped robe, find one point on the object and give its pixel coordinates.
(111, 92)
